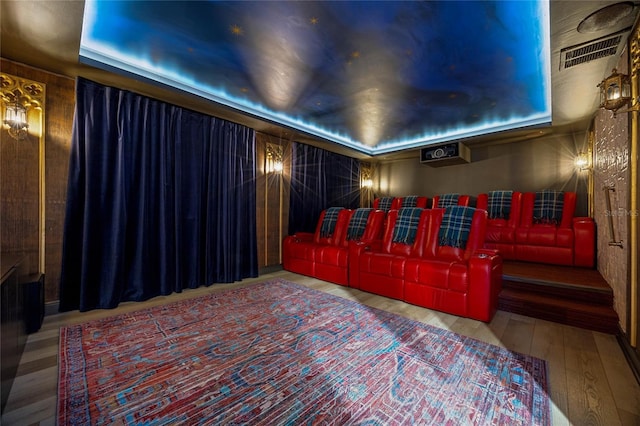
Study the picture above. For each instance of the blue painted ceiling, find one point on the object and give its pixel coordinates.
(376, 76)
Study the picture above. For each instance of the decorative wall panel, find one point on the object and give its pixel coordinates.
(60, 104)
(611, 170)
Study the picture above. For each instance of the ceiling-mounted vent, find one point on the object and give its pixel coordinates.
(590, 51)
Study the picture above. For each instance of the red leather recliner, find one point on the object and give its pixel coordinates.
(328, 258)
(568, 241)
(426, 273)
(332, 262)
(298, 250)
(378, 267)
(460, 281)
(501, 228)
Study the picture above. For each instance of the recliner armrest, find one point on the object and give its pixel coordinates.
(485, 283)
(356, 248)
(299, 237)
(584, 249)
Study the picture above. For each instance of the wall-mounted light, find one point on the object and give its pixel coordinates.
(582, 161)
(274, 159)
(15, 120)
(615, 92)
(366, 183)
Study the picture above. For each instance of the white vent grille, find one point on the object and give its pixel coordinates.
(590, 51)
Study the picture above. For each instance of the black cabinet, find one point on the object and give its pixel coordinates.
(13, 331)
(33, 298)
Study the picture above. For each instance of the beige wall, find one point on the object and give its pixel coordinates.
(543, 163)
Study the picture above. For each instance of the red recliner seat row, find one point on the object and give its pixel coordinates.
(539, 227)
(428, 269)
(324, 253)
(413, 259)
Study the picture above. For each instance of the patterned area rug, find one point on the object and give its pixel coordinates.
(280, 353)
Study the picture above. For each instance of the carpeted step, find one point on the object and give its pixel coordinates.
(591, 316)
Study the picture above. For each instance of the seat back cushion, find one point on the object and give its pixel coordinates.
(383, 203)
(446, 200)
(414, 201)
(365, 224)
(548, 208)
(401, 235)
(332, 225)
(503, 208)
(461, 231)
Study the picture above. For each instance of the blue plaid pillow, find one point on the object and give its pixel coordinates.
(385, 203)
(329, 221)
(410, 201)
(547, 207)
(455, 226)
(406, 225)
(447, 200)
(358, 223)
(499, 204)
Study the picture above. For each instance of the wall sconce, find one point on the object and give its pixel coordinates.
(15, 120)
(582, 161)
(274, 158)
(367, 183)
(615, 92)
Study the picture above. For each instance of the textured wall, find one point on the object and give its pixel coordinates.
(611, 169)
(19, 198)
(60, 103)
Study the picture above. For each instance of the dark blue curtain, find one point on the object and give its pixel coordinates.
(159, 199)
(320, 179)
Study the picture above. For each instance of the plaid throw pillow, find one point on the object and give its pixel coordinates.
(329, 221)
(547, 207)
(455, 226)
(410, 201)
(448, 200)
(358, 223)
(406, 225)
(499, 204)
(385, 203)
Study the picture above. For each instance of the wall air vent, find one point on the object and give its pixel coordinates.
(591, 50)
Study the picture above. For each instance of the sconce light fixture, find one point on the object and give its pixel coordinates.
(367, 183)
(15, 120)
(615, 92)
(274, 159)
(582, 161)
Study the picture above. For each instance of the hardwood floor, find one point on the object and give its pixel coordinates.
(590, 381)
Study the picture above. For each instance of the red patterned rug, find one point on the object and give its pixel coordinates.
(280, 353)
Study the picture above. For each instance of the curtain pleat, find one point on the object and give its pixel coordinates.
(159, 199)
(320, 179)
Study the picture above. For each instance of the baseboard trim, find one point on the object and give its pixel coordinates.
(630, 354)
(269, 269)
(51, 308)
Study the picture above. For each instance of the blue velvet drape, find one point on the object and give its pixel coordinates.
(320, 179)
(159, 199)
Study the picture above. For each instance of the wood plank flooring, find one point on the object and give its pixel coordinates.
(589, 379)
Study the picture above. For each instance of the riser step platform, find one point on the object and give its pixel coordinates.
(573, 296)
